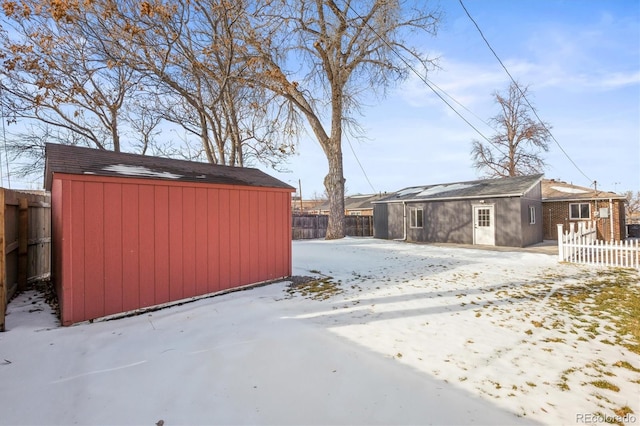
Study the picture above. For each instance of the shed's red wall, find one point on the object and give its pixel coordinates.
(124, 244)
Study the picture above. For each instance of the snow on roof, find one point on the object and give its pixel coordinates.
(408, 191)
(444, 188)
(569, 190)
(139, 171)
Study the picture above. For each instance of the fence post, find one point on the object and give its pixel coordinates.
(23, 243)
(3, 266)
(560, 242)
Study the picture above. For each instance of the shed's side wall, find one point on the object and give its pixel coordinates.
(125, 244)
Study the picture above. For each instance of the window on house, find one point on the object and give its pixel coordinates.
(579, 211)
(415, 218)
(532, 215)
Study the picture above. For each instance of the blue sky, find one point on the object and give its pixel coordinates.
(581, 61)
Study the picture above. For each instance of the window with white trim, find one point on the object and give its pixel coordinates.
(415, 217)
(579, 211)
(532, 215)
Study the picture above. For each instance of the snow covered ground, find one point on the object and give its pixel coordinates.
(393, 333)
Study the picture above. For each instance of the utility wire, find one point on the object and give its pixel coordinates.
(360, 164)
(462, 106)
(427, 82)
(521, 92)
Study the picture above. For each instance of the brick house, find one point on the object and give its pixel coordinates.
(568, 204)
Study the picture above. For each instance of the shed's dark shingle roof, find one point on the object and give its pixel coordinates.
(82, 161)
(501, 187)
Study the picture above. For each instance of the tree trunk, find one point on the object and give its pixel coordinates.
(334, 181)
(334, 184)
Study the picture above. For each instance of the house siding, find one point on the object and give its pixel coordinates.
(452, 222)
(448, 212)
(532, 233)
(123, 244)
(508, 221)
(381, 221)
(396, 221)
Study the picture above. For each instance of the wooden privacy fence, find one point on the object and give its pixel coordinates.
(581, 246)
(25, 242)
(309, 226)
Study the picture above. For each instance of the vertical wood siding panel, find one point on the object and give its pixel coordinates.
(213, 241)
(189, 241)
(285, 233)
(175, 243)
(270, 224)
(77, 250)
(285, 214)
(146, 231)
(161, 241)
(113, 248)
(225, 239)
(65, 255)
(289, 232)
(280, 235)
(94, 249)
(263, 254)
(202, 231)
(56, 240)
(253, 218)
(234, 239)
(130, 247)
(246, 232)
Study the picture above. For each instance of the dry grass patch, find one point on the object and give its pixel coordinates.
(603, 384)
(314, 288)
(628, 366)
(612, 294)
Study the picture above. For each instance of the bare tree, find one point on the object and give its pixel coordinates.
(323, 57)
(191, 57)
(104, 69)
(632, 206)
(517, 147)
(26, 149)
(51, 74)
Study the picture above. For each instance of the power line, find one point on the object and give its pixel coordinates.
(462, 106)
(428, 83)
(360, 164)
(521, 92)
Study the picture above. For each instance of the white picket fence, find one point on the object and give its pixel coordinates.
(582, 246)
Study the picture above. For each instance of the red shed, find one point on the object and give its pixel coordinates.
(132, 231)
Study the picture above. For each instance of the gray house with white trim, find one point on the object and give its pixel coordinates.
(495, 212)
